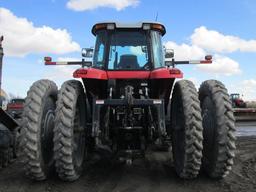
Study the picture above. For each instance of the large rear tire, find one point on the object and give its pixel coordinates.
(186, 129)
(37, 129)
(219, 129)
(69, 132)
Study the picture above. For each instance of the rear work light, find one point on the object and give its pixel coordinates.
(111, 26)
(175, 71)
(146, 26)
(157, 27)
(100, 26)
(154, 26)
(81, 72)
(108, 26)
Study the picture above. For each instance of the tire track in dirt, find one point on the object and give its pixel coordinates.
(243, 175)
(155, 173)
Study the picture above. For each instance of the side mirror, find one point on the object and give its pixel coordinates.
(87, 52)
(169, 53)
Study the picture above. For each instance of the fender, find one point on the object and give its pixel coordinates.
(90, 73)
(166, 73)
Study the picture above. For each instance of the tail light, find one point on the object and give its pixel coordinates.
(175, 71)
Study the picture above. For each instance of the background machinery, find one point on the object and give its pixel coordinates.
(237, 101)
(9, 128)
(15, 107)
(243, 110)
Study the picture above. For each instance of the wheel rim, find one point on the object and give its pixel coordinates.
(78, 140)
(209, 129)
(47, 134)
(178, 133)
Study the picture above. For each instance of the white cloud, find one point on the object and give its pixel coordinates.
(60, 73)
(68, 59)
(82, 5)
(248, 89)
(218, 42)
(221, 65)
(185, 52)
(22, 37)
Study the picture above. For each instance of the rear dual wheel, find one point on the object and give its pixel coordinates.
(54, 133)
(219, 129)
(37, 129)
(215, 121)
(69, 131)
(186, 129)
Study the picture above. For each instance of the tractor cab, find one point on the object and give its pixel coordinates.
(128, 47)
(234, 96)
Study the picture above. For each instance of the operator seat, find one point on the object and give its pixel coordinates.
(128, 62)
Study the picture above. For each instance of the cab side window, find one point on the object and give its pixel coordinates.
(158, 53)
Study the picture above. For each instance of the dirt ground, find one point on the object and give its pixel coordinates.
(156, 173)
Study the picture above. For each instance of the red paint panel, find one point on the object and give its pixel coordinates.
(49, 63)
(206, 62)
(14, 106)
(163, 73)
(166, 73)
(90, 73)
(128, 74)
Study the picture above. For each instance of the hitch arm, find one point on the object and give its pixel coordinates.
(208, 60)
(83, 63)
(192, 62)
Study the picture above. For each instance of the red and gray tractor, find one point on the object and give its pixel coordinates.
(126, 101)
(237, 101)
(15, 107)
(9, 127)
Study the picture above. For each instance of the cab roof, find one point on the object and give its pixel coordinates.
(117, 25)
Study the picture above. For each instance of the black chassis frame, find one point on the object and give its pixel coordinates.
(99, 103)
(7, 120)
(7, 131)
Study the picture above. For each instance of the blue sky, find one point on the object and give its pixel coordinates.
(230, 24)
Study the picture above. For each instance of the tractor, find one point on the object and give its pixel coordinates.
(237, 101)
(127, 99)
(9, 128)
(15, 107)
